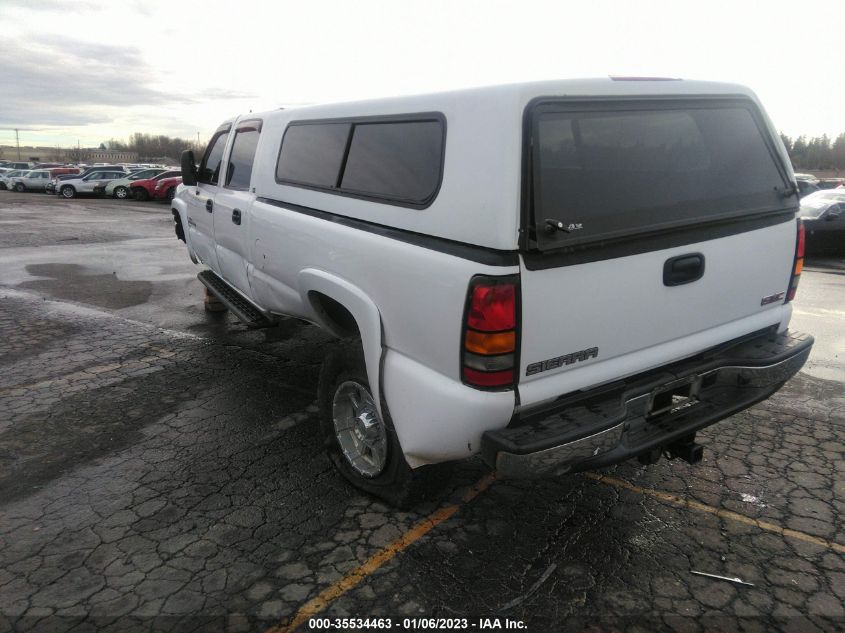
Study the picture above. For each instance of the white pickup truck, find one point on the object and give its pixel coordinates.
(558, 276)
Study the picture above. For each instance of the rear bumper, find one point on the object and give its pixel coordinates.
(614, 423)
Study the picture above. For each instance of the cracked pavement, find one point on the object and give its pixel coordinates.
(161, 469)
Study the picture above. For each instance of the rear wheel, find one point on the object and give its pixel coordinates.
(68, 191)
(121, 192)
(20, 187)
(360, 441)
(140, 194)
(171, 193)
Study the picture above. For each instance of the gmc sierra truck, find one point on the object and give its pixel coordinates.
(557, 276)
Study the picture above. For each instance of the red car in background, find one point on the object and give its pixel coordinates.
(145, 189)
(165, 189)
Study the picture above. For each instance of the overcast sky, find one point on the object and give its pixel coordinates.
(91, 70)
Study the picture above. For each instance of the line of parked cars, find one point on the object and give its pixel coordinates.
(118, 181)
(808, 183)
(822, 201)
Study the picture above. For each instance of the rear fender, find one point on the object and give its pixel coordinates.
(363, 310)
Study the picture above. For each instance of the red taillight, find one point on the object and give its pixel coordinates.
(489, 340)
(798, 263)
(492, 308)
(799, 249)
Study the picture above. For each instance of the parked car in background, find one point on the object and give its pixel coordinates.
(35, 180)
(830, 183)
(55, 184)
(145, 189)
(18, 165)
(165, 188)
(823, 214)
(120, 188)
(86, 184)
(7, 180)
(38, 179)
(806, 187)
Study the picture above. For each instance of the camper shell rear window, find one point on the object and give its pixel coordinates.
(601, 170)
(394, 159)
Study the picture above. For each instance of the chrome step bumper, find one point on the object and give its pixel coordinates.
(610, 425)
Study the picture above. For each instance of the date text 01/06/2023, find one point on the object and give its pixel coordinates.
(415, 624)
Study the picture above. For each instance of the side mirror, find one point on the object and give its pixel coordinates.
(189, 168)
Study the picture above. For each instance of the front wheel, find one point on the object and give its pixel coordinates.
(68, 191)
(121, 192)
(20, 187)
(360, 441)
(140, 194)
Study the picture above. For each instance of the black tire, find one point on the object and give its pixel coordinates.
(68, 191)
(2, 186)
(140, 194)
(171, 193)
(20, 187)
(397, 483)
(122, 193)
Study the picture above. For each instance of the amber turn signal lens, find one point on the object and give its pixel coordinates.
(799, 266)
(485, 343)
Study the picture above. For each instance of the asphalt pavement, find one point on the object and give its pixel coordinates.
(160, 469)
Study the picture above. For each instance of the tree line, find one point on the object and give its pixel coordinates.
(153, 145)
(818, 152)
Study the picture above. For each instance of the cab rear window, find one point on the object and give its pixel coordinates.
(606, 170)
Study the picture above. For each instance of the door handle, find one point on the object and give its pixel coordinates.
(209, 205)
(683, 269)
(236, 216)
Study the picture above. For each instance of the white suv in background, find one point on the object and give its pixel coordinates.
(86, 184)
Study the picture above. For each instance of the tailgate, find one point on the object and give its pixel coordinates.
(657, 230)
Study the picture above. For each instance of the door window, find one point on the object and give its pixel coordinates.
(239, 172)
(209, 171)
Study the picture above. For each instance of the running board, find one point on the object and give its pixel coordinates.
(245, 310)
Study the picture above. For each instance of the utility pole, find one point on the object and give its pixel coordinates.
(18, 143)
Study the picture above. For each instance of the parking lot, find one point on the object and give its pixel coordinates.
(160, 469)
